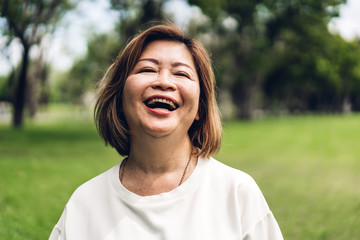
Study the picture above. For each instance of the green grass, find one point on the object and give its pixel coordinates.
(40, 166)
(307, 167)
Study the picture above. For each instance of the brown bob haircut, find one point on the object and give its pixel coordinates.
(205, 133)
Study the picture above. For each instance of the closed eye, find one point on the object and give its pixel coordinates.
(146, 70)
(180, 74)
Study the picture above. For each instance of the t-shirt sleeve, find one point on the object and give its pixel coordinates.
(265, 229)
(258, 222)
(58, 231)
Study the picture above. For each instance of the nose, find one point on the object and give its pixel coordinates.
(164, 82)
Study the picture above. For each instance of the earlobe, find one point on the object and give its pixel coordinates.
(197, 118)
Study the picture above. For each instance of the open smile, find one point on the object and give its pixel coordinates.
(161, 103)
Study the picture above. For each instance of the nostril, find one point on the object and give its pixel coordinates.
(164, 86)
(164, 81)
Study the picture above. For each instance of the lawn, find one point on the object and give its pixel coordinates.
(307, 167)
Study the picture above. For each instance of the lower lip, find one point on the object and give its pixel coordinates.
(159, 112)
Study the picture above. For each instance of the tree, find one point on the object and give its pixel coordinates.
(102, 49)
(133, 14)
(29, 21)
(270, 38)
(244, 45)
(304, 76)
(348, 59)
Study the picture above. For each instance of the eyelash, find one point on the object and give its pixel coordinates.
(182, 75)
(150, 70)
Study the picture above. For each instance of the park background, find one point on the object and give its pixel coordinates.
(288, 89)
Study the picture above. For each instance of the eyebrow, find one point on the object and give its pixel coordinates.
(175, 64)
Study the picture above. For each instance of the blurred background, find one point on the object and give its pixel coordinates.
(288, 75)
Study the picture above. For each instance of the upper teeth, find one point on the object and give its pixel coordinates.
(152, 101)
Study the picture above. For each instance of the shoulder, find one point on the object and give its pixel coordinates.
(240, 186)
(244, 197)
(93, 189)
(88, 204)
(229, 175)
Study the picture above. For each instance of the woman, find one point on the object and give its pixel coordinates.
(157, 106)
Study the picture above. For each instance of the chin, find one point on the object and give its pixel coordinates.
(159, 130)
(159, 133)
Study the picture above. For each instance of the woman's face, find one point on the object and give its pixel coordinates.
(161, 94)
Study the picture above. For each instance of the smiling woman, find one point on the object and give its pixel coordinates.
(156, 106)
(164, 76)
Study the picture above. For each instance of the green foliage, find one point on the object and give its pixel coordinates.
(267, 54)
(282, 52)
(88, 70)
(307, 168)
(103, 48)
(5, 88)
(28, 21)
(210, 7)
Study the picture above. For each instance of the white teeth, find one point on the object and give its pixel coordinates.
(172, 104)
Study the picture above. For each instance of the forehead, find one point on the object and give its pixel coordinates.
(166, 50)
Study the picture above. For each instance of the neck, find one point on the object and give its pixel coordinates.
(157, 165)
(160, 155)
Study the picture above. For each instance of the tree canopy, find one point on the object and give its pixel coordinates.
(280, 55)
(270, 56)
(29, 21)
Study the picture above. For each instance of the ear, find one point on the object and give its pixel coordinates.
(197, 118)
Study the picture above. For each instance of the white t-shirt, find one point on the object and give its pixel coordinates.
(215, 202)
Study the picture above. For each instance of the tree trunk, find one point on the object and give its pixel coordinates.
(247, 97)
(346, 106)
(250, 103)
(19, 98)
(33, 87)
(30, 95)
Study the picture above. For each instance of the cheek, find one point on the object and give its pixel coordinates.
(132, 96)
(195, 93)
(192, 95)
(131, 91)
